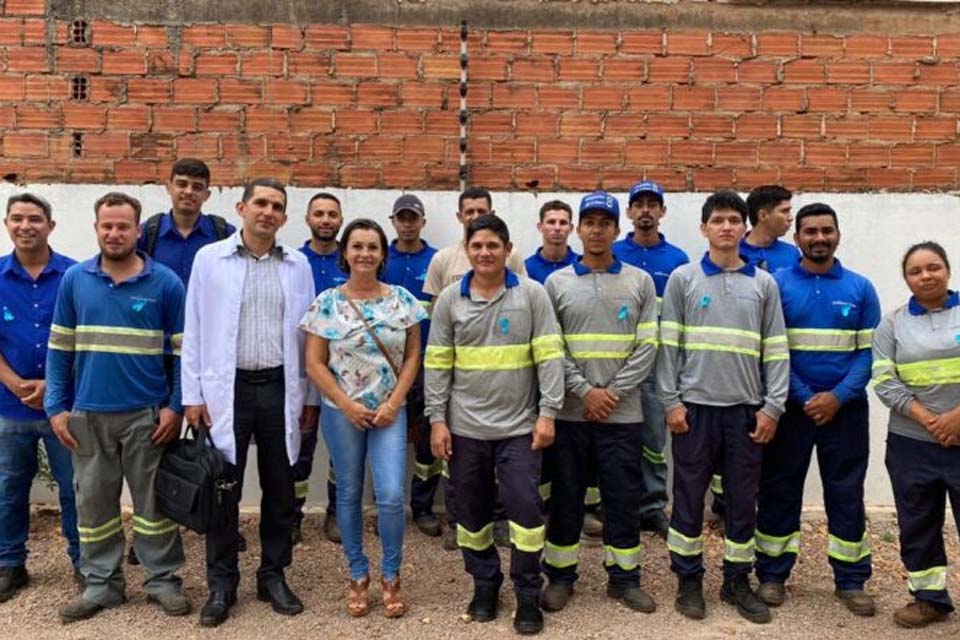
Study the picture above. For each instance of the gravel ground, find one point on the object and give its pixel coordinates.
(437, 590)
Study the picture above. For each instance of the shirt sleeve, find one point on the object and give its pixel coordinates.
(413, 311)
(547, 347)
(515, 263)
(433, 285)
(438, 361)
(61, 349)
(173, 312)
(640, 363)
(855, 382)
(190, 353)
(671, 331)
(886, 381)
(574, 381)
(775, 353)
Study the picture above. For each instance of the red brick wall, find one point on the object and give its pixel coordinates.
(376, 106)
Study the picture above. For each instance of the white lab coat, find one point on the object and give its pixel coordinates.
(208, 362)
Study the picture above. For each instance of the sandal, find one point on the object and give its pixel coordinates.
(393, 606)
(358, 601)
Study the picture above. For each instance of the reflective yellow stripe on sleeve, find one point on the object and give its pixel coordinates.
(546, 347)
(438, 358)
(61, 338)
(775, 348)
(883, 370)
(647, 333)
(865, 339)
(176, 343)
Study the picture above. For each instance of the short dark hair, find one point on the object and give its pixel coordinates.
(473, 193)
(555, 205)
(192, 167)
(927, 245)
(763, 198)
(723, 200)
(116, 198)
(816, 209)
(264, 182)
(365, 224)
(30, 198)
(489, 223)
(323, 195)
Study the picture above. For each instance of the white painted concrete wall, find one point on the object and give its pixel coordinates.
(876, 228)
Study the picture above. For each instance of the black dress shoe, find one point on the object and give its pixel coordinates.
(217, 608)
(280, 597)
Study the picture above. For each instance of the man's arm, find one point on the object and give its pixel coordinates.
(854, 383)
(671, 337)
(775, 353)
(173, 326)
(547, 346)
(190, 359)
(61, 350)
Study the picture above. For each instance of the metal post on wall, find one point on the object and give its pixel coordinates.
(464, 60)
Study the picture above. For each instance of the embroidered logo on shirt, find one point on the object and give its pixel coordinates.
(705, 301)
(138, 305)
(7, 315)
(504, 326)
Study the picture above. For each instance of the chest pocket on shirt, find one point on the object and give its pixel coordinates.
(511, 325)
(845, 314)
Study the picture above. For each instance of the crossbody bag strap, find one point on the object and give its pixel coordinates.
(380, 345)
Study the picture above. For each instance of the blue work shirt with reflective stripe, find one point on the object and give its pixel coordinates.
(106, 340)
(837, 300)
(326, 268)
(409, 270)
(27, 307)
(659, 260)
(539, 268)
(779, 255)
(176, 252)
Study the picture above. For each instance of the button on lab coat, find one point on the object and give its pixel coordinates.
(208, 362)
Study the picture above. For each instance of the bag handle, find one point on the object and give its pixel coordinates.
(366, 325)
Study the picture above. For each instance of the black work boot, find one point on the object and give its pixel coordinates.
(689, 600)
(738, 592)
(529, 619)
(12, 579)
(486, 600)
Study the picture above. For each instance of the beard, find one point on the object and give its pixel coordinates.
(324, 235)
(808, 254)
(117, 254)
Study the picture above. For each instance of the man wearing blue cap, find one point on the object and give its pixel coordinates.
(646, 248)
(608, 315)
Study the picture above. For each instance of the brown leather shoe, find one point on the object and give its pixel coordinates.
(858, 601)
(918, 614)
(772, 593)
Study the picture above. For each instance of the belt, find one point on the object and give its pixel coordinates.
(260, 376)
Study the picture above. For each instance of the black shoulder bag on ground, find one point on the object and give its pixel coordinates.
(194, 482)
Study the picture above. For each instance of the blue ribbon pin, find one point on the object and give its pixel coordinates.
(7, 315)
(622, 314)
(705, 301)
(504, 325)
(845, 310)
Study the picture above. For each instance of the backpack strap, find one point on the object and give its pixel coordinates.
(152, 231)
(220, 227)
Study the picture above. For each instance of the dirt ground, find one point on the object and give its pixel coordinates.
(437, 590)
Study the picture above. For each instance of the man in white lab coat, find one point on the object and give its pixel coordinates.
(243, 376)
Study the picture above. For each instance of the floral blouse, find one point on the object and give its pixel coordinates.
(359, 366)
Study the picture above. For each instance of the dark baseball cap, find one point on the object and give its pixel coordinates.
(408, 202)
(647, 186)
(600, 201)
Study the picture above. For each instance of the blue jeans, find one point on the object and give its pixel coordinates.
(18, 466)
(387, 447)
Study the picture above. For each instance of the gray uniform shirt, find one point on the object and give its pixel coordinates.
(722, 337)
(493, 366)
(916, 356)
(609, 324)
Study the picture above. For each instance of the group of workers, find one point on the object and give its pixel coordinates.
(533, 390)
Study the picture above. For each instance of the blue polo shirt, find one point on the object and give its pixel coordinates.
(830, 320)
(27, 307)
(177, 252)
(659, 260)
(106, 340)
(409, 270)
(779, 255)
(539, 267)
(326, 269)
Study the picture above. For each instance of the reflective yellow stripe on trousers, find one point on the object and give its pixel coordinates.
(529, 540)
(153, 527)
(684, 545)
(932, 579)
(561, 556)
(476, 540)
(95, 534)
(626, 559)
(776, 546)
(847, 551)
(739, 551)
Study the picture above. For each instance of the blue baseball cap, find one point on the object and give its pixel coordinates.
(647, 186)
(600, 201)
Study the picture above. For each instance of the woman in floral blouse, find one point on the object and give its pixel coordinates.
(364, 381)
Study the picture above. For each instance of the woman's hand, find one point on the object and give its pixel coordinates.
(386, 414)
(358, 415)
